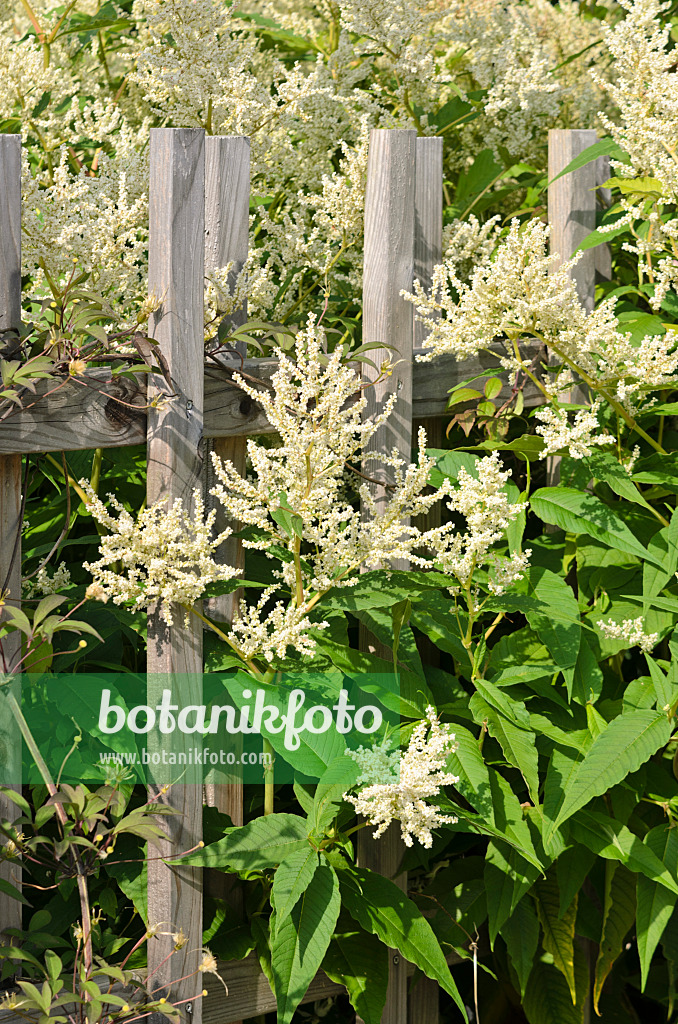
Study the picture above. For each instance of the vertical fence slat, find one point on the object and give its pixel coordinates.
(422, 1004)
(176, 275)
(572, 205)
(227, 203)
(572, 216)
(387, 319)
(10, 485)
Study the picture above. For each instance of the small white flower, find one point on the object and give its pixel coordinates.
(632, 631)
(421, 776)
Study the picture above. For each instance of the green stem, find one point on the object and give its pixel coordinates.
(96, 469)
(61, 814)
(269, 794)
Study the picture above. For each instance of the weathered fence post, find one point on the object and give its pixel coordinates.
(176, 275)
(227, 206)
(572, 216)
(10, 492)
(387, 319)
(423, 1001)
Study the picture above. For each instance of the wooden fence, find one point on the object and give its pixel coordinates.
(199, 207)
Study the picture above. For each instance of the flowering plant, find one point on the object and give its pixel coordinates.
(532, 634)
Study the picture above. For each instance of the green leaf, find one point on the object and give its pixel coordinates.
(518, 745)
(360, 962)
(400, 615)
(382, 908)
(552, 610)
(558, 930)
(263, 843)
(340, 776)
(627, 742)
(547, 997)
(289, 521)
(292, 877)
(604, 147)
(474, 778)
(300, 942)
(508, 876)
(655, 902)
(521, 935)
(579, 513)
(652, 188)
(11, 890)
(611, 840)
(605, 467)
(619, 913)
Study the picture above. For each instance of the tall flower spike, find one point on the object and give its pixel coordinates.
(164, 556)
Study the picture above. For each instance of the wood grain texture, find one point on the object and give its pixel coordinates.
(388, 321)
(571, 217)
(176, 275)
(249, 993)
(227, 204)
(423, 1005)
(10, 491)
(95, 411)
(572, 205)
(428, 253)
(428, 217)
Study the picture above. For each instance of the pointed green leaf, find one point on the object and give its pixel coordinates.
(519, 745)
(360, 962)
(384, 909)
(571, 782)
(578, 513)
(508, 876)
(300, 942)
(293, 876)
(521, 935)
(558, 931)
(655, 902)
(619, 913)
(613, 841)
(263, 843)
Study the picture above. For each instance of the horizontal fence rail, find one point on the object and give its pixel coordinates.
(403, 240)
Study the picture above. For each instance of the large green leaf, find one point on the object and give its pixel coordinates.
(547, 998)
(655, 902)
(360, 962)
(519, 745)
(300, 942)
(474, 778)
(605, 467)
(578, 513)
(619, 912)
(521, 935)
(263, 843)
(293, 876)
(508, 876)
(382, 908)
(558, 938)
(611, 840)
(627, 742)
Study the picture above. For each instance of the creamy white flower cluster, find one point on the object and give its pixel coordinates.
(578, 437)
(521, 291)
(420, 776)
(632, 631)
(162, 557)
(44, 584)
(296, 498)
(488, 511)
